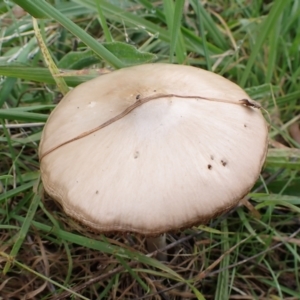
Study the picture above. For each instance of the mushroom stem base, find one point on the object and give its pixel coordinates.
(156, 243)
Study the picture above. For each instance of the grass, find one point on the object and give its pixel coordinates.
(243, 255)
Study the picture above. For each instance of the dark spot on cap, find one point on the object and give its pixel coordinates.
(137, 97)
(223, 162)
(245, 125)
(136, 154)
(97, 192)
(154, 91)
(212, 157)
(209, 167)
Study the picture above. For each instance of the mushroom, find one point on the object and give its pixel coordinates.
(152, 148)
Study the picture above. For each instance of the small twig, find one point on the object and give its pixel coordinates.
(139, 101)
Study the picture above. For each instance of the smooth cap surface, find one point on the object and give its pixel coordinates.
(155, 165)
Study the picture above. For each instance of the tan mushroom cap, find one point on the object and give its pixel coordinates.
(166, 164)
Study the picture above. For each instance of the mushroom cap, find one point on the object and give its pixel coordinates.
(166, 164)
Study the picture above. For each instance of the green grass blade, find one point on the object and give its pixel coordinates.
(114, 13)
(223, 277)
(103, 22)
(174, 16)
(245, 221)
(11, 193)
(103, 247)
(11, 259)
(12, 114)
(275, 278)
(6, 89)
(265, 29)
(197, 7)
(61, 84)
(23, 232)
(53, 13)
(134, 274)
(9, 83)
(273, 47)
(209, 25)
(286, 290)
(32, 8)
(43, 75)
